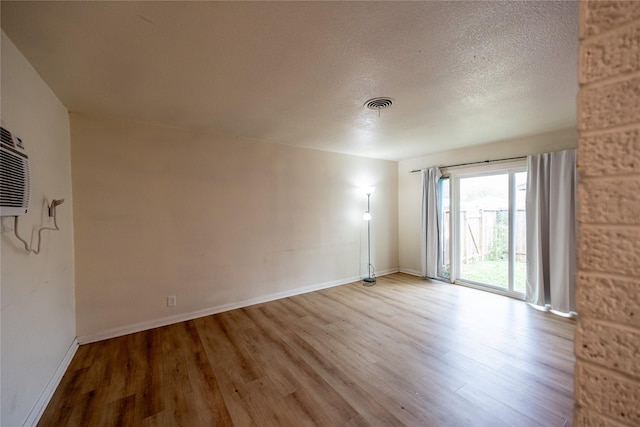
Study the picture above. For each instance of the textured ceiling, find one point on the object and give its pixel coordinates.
(298, 73)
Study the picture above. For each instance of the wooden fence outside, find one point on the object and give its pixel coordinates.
(484, 236)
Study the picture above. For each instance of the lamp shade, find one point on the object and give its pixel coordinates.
(366, 216)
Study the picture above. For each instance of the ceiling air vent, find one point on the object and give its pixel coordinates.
(378, 103)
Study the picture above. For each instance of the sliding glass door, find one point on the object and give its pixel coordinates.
(519, 252)
(483, 232)
(483, 214)
(444, 219)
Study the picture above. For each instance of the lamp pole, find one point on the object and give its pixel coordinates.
(370, 280)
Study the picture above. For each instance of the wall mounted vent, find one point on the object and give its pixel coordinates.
(15, 185)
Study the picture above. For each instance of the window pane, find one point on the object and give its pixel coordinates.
(484, 230)
(520, 230)
(444, 264)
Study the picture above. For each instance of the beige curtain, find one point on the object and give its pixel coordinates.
(430, 227)
(551, 230)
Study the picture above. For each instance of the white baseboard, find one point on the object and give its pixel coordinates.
(52, 385)
(169, 320)
(381, 273)
(411, 272)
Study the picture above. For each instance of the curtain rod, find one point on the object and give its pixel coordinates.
(472, 163)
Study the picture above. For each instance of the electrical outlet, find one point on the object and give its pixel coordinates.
(171, 301)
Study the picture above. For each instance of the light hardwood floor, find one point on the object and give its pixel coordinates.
(403, 352)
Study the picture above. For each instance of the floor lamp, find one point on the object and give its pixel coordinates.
(370, 280)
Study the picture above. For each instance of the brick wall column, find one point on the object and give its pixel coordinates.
(607, 344)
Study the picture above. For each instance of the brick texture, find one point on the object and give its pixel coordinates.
(610, 153)
(612, 201)
(612, 104)
(613, 346)
(609, 394)
(609, 250)
(600, 16)
(611, 56)
(614, 299)
(587, 418)
(607, 343)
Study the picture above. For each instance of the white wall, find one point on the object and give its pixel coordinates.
(37, 314)
(410, 184)
(218, 222)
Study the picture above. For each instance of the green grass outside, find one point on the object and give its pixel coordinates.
(495, 273)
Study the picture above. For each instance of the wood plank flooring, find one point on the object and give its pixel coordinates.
(403, 352)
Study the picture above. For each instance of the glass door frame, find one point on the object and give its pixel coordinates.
(454, 175)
